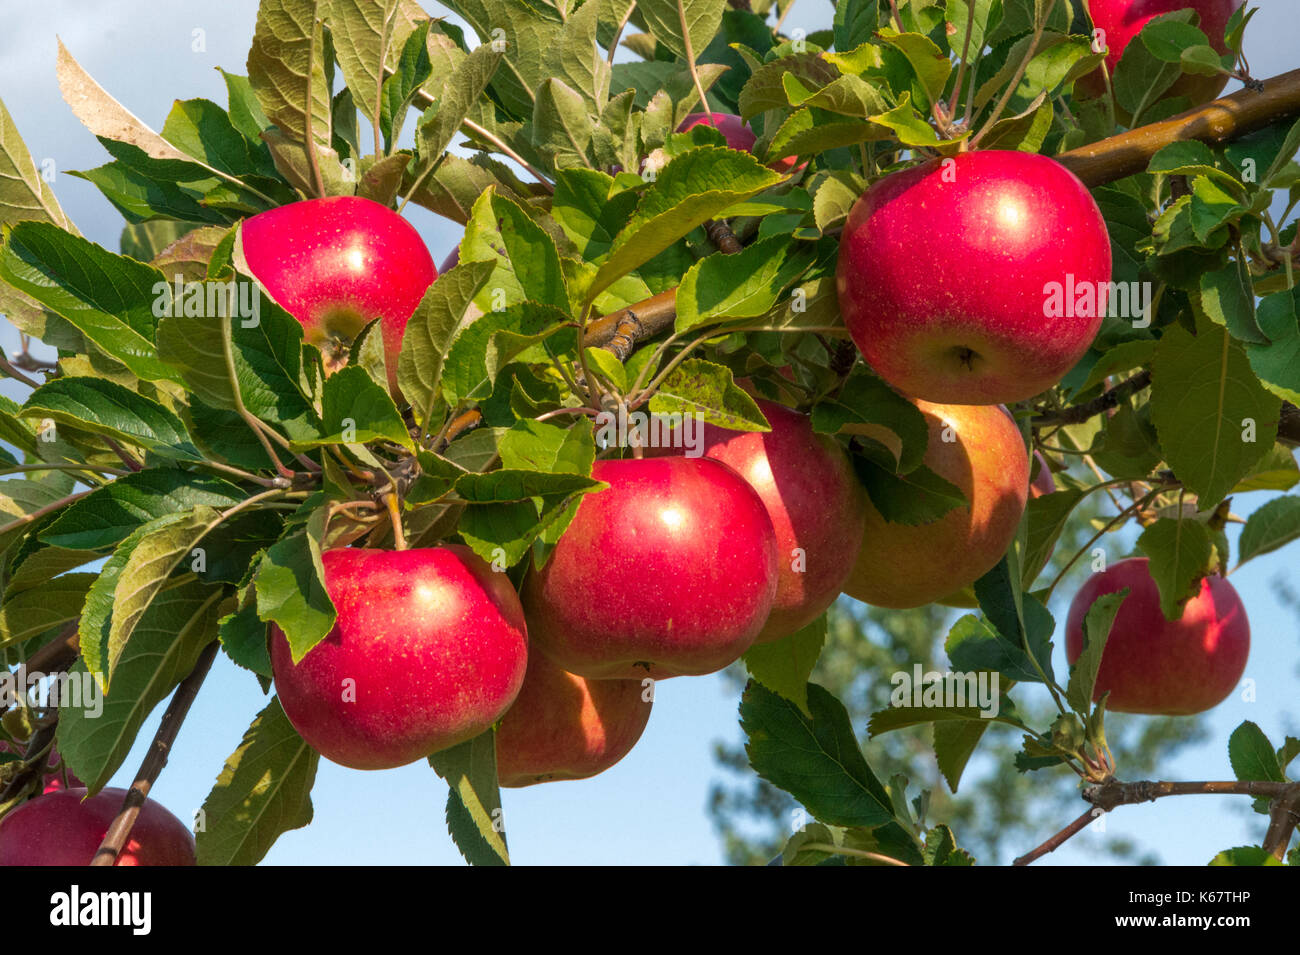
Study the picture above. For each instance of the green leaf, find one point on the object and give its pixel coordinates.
(930, 64)
(917, 497)
(954, 743)
(784, 666)
(855, 21)
(146, 571)
(369, 37)
(1275, 524)
(975, 644)
(562, 125)
(430, 331)
(108, 298)
(243, 636)
(1252, 755)
(481, 349)
(806, 132)
(102, 407)
(163, 650)
(1214, 418)
(675, 23)
(1179, 552)
(1276, 471)
(106, 517)
(24, 193)
(898, 717)
(504, 485)
(38, 610)
(474, 816)
(502, 229)
(291, 593)
(355, 409)
(1243, 856)
(1166, 39)
(690, 190)
(700, 387)
(202, 129)
(1277, 363)
(531, 445)
(1046, 518)
(908, 125)
(865, 399)
(459, 96)
(263, 791)
(287, 69)
(816, 758)
(244, 110)
(1096, 631)
(21, 501)
(591, 209)
(745, 285)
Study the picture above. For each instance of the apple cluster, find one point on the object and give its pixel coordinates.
(683, 563)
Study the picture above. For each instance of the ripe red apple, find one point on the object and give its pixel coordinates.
(816, 504)
(901, 566)
(1043, 482)
(1123, 20)
(948, 271)
(61, 829)
(669, 571)
(429, 650)
(563, 726)
(337, 264)
(1158, 666)
(738, 136)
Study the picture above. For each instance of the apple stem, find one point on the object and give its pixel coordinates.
(395, 515)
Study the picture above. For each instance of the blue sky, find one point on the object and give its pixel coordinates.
(649, 809)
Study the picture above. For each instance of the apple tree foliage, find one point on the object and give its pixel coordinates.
(203, 461)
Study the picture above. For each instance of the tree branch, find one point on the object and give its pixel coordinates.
(154, 761)
(1104, 402)
(1106, 796)
(1228, 118)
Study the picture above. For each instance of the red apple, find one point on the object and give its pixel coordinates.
(1123, 20)
(429, 650)
(1043, 482)
(563, 726)
(337, 264)
(669, 571)
(738, 136)
(900, 565)
(1158, 666)
(959, 279)
(816, 504)
(61, 829)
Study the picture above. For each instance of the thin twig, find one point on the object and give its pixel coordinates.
(1056, 841)
(119, 831)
